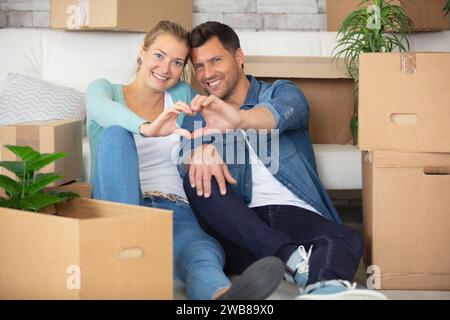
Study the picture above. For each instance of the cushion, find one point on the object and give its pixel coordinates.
(27, 99)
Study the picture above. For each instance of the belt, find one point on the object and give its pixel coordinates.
(168, 196)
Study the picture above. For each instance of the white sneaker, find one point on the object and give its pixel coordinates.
(338, 290)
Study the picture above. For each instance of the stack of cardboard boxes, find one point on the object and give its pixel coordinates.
(85, 248)
(404, 129)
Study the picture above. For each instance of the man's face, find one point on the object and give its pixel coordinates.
(217, 69)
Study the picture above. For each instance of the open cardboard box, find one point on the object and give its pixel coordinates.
(89, 249)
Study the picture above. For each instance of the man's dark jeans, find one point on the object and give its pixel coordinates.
(248, 234)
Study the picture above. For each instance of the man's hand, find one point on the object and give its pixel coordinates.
(218, 114)
(206, 162)
(165, 124)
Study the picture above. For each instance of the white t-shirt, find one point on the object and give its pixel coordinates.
(157, 161)
(267, 190)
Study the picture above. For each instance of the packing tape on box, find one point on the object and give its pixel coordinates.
(408, 63)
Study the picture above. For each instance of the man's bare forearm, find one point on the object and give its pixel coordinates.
(257, 118)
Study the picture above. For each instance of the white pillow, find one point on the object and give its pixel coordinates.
(27, 99)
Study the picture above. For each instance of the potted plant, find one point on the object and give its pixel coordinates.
(27, 193)
(376, 26)
(447, 8)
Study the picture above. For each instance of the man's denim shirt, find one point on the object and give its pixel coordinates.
(289, 154)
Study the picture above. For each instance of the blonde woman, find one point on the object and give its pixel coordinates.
(133, 132)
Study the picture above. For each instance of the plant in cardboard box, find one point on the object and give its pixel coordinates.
(376, 26)
(26, 193)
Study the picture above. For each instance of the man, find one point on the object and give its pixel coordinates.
(275, 205)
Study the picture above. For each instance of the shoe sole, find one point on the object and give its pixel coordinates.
(258, 281)
(357, 294)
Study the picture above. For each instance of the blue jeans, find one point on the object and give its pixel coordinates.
(249, 234)
(198, 258)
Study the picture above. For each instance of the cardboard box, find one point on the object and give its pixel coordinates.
(121, 15)
(406, 218)
(326, 85)
(404, 102)
(427, 15)
(47, 137)
(82, 188)
(90, 250)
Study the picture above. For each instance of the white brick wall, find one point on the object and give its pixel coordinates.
(199, 18)
(246, 21)
(275, 21)
(25, 13)
(25, 5)
(3, 19)
(322, 6)
(306, 21)
(239, 14)
(225, 6)
(287, 6)
(20, 18)
(41, 19)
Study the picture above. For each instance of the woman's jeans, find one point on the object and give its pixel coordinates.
(198, 258)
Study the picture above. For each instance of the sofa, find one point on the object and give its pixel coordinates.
(74, 59)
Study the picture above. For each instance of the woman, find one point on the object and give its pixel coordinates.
(133, 131)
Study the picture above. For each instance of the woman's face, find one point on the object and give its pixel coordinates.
(163, 62)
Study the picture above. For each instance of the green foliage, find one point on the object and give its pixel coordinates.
(26, 193)
(447, 8)
(383, 28)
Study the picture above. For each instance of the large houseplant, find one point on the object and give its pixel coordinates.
(27, 192)
(376, 26)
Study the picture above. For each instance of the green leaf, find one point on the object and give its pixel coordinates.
(38, 201)
(45, 160)
(24, 152)
(12, 202)
(27, 193)
(40, 181)
(16, 167)
(66, 196)
(10, 186)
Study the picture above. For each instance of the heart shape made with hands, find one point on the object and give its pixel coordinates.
(218, 114)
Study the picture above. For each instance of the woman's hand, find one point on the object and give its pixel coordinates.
(166, 123)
